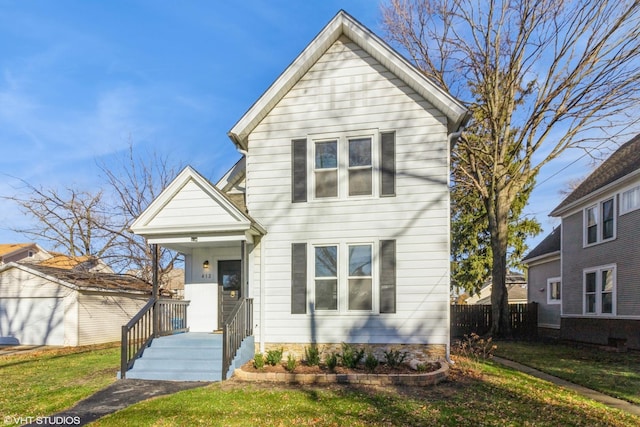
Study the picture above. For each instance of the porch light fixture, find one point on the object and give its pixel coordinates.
(205, 265)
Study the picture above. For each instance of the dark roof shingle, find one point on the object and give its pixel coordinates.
(549, 244)
(623, 161)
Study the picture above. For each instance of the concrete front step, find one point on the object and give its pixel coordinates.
(183, 357)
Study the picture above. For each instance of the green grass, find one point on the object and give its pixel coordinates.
(487, 394)
(42, 383)
(612, 373)
(477, 393)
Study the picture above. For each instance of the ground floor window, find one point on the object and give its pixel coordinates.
(344, 277)
(599, 290)
(553, 291)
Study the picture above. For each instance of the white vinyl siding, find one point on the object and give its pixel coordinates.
(348, 93)
(100, 314)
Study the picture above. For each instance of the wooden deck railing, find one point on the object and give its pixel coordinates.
(239, 325)
(158, 317)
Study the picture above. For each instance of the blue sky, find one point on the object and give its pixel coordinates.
(81, 80)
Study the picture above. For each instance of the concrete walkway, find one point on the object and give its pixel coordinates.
(117, 396)
(612, 402)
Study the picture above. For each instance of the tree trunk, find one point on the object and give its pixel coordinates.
(498, 213)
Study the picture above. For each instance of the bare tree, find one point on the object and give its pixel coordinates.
(73, 221)
(80, 222)
(134, 182)
(540, 76)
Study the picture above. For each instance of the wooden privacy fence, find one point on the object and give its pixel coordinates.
(466, 319)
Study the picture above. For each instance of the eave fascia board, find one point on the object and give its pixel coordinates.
(542, 259)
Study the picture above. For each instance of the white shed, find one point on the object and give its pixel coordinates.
(49, 306)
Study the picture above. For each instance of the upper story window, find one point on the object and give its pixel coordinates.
(599, 290)
(343, 166)
(600, 222)
(553, 291)
(630, 200)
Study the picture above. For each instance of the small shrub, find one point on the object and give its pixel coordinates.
(291, 363)
(351, 356)
(394, 358)
(475, 347)
(258, 361)
(274, 357)
(421, 367)
(331, 360)
(371, 362)
(312, 355)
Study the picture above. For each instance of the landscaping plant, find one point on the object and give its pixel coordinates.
(371, 362)
(351, 356)
(274, 356)
(312, 355)
(394, 358)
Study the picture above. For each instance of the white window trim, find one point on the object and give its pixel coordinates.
(599, 222)
(549, 282)
(598, 270)
(623, 211)
(343, 278)
(343, 163)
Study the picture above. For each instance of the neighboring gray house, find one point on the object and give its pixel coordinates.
(600, 255)
(336, 220)
(544, 283)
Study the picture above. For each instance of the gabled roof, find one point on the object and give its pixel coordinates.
(7, 249)
(625, 161)
(192, 205)
(86, 281)
(345, 24)
(549, 245)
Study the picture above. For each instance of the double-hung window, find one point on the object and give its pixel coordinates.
(553, 291)
(345, 277)
(343, 165)
(630, 200)
(599, 290)
(600, 222)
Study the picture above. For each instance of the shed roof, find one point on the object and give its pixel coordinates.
(624, 161)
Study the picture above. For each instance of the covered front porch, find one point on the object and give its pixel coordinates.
(217, 238)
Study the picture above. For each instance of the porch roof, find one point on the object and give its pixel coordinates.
(192, 211)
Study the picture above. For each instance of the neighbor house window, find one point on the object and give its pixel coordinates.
(630, 200)
(599, 290)
(553, 291)
(600, 224)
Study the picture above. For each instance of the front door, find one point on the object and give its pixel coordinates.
(229, 286)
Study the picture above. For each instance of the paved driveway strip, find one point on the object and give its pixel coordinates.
(117, 396)
(612, 402)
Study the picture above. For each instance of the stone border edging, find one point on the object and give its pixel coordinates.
(426, 379)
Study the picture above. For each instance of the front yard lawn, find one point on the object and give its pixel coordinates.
(42, 383)
(609, 372)
(481, 393)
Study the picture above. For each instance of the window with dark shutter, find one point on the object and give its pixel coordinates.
(388, 164)
(299, 170)
(298, 278)
(387, 276)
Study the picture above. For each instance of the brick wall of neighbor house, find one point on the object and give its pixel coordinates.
(548, 314)
(611, 332)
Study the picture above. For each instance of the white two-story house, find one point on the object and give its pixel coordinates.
(335, 221)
